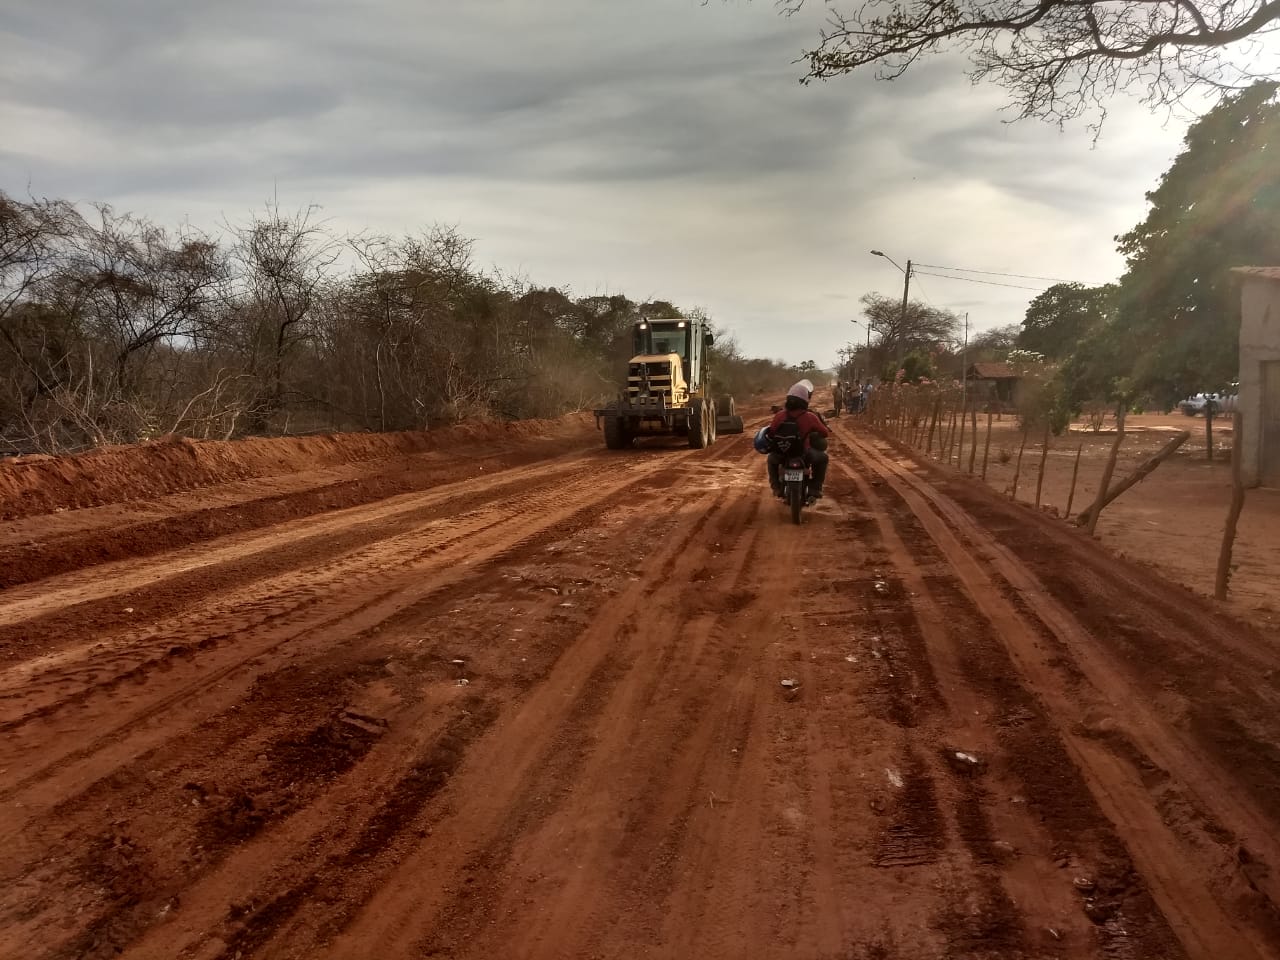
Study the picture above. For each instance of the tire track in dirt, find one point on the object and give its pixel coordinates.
(655, 720)
(37, 547)
(528, 549)
(621, 773)
(71, 594)
(1027, 820)
(593, 673)
(1206, 923)
(312, 618)
(570, 757)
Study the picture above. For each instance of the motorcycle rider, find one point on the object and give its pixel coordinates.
(796, 409)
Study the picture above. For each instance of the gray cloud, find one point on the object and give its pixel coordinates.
(660, 147)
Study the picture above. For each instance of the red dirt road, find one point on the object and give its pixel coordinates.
(243, 730)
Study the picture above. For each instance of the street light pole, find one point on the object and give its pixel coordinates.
(867, 352)
(902, 319)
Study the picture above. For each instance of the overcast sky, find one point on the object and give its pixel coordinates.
(657, 148)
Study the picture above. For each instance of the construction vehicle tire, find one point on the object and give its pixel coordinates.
(698, 426)
(616, 436)
(730, 424)
(725, 407)
(712, 432)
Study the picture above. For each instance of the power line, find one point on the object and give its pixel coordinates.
(996, 273)
(989, 283)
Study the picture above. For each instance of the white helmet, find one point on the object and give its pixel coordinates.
(802, 389)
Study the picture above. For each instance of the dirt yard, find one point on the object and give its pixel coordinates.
(522, 697)
(1173, 520)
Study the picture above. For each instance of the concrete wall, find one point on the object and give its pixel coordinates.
(1259, 342)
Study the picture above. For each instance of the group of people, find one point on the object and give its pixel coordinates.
(850, 397)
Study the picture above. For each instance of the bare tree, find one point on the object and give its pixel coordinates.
(31, 235)
(135, 288)
(1057, 59)
(919, 327)
(284, 259)
(404, 303)
(33, 342)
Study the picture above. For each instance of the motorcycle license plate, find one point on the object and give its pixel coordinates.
(792, 476)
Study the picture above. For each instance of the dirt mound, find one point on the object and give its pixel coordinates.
(43, 484)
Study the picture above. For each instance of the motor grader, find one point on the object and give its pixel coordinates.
(668, 388)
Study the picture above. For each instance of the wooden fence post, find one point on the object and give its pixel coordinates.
(1233, 514)
(1044, 455)
(951, 437)
(1208, 428)
(1075, 473)
(1143, 470)
(1090, 516)
(973, 444)
(933, 425)
(964, 414)
(1017, 467)
(986, 447)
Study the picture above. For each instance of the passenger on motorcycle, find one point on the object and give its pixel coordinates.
(808, 423)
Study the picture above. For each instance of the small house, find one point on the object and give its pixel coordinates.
(995, 382)
(1259, 397)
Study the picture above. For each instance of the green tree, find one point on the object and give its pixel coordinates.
(993, 345)
(1217, 207)
(1058, 319)
(916, 366)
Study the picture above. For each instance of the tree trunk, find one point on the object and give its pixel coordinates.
(1044, 456)
(1233, 514)
(1090, 516)
(1208, 429)
(933, 426)
(1075, 474)
(1139, 474)
(986, 447)
(973, 432)
(1017, 467)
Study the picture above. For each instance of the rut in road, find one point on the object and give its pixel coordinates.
(275, 753)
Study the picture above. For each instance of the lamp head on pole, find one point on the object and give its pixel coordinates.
(877, 253)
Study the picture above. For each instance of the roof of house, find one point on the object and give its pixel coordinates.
(1266, 273)
(992, 371)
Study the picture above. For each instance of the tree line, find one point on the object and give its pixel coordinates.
(115, 329)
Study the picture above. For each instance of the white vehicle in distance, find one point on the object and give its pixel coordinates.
(1200, 402)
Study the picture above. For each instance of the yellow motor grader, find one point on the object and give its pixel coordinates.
(668, 388)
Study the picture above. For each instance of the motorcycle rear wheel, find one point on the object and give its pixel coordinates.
(795, 497)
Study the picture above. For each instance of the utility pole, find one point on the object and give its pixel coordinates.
(964, 364)
(902, 317)
(857, 372)
(902, 320)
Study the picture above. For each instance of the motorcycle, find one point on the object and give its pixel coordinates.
(796, 478)
(794, 471)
